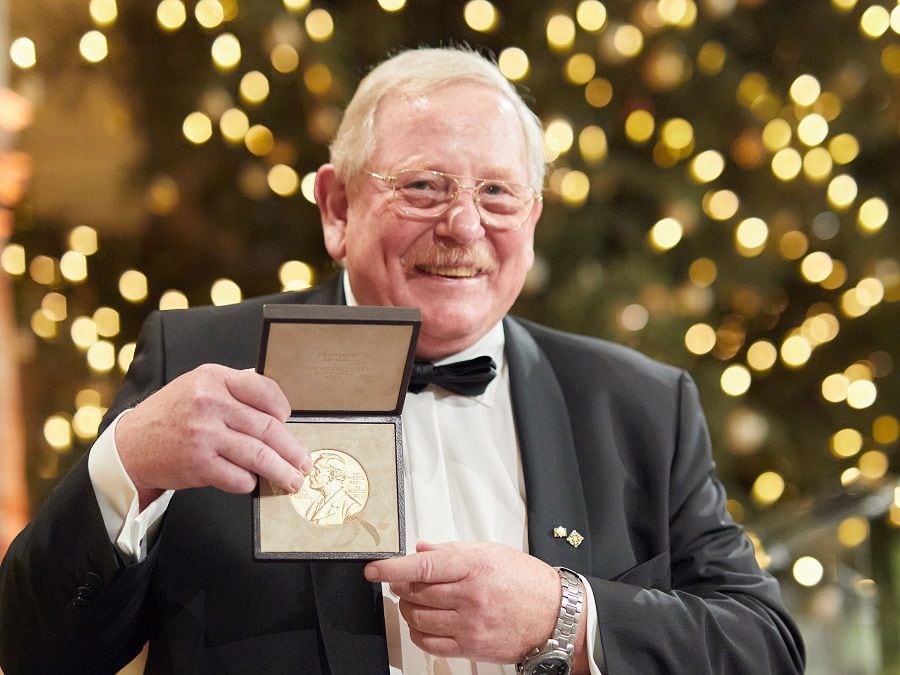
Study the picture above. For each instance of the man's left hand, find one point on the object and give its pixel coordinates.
(480, 601)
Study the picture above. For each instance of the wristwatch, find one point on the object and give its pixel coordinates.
(555, 657)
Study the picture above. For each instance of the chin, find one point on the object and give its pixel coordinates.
(449, 332)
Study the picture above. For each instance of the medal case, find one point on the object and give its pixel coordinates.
(344, 371)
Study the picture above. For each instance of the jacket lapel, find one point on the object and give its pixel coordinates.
(553, 489)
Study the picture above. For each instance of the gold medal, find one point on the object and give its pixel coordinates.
(335, 491)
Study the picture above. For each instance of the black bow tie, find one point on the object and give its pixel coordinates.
(468, 378)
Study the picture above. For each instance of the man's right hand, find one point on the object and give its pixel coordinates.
(213, 426)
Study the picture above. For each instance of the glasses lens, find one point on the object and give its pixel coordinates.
(422, 193)
(504, 205)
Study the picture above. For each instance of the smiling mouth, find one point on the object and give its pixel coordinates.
(451, 272)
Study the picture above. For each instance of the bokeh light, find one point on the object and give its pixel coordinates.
(12, 259)
(83, 239)
(707, 166)
(480, 15)
(591, 15)
(126, 356)
(761, 355)
(254, 87)
(808, 571)
(101, 356)
(283, 180)
(58, 432)
(560, 32)
(319, 25)
(22, 53)
(768, 488)
(846, 443)
(392, 5)
(592, 144)
(700, 338)
(805, 90)
(209, 13)
(639, 126)
(234, 124)
(735, 380)
(73, 266)
(259, 140)
(842, 191)
(197, 128)
(83, 332)
(284, 58)
(513, 63)
(226, 51)
(795, 351)
(171, 14)
(853, 531)
(580, 68)
(875, 22)
(225, 292)
(93, 46)
(133, 286)
(665, 234)
(873, 214)
(173, 299)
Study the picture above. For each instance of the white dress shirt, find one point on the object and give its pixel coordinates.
(463, 482)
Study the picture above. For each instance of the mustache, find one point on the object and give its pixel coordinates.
(438, 254)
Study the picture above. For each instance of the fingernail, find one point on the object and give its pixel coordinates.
(297, 482)
(306, 465)
(371, 573)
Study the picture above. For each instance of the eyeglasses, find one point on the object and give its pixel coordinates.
(427, 194)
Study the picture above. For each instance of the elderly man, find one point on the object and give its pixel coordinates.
(565, 518)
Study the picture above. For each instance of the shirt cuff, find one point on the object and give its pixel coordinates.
(592, 631)
(129, 529)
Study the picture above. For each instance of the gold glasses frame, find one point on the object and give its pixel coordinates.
(487, 216)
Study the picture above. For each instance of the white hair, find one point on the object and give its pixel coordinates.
(416, 71)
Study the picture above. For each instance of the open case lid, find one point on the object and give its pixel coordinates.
(332, 359)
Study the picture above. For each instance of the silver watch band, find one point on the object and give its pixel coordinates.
(570, 609)
(556, 655)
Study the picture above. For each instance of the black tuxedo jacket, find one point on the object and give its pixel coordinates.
(613, 444)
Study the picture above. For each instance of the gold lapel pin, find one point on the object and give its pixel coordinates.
(574, 537)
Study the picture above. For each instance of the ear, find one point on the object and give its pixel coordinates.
(331, 198)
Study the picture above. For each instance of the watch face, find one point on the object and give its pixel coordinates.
(551, 666)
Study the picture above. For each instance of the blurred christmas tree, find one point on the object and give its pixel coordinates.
(722, 196)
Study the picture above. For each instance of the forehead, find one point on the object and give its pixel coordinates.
(466, 123)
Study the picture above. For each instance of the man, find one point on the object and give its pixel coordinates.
(579, 454)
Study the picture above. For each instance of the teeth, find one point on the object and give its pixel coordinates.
(464, 272)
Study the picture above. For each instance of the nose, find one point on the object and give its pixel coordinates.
(462, 221)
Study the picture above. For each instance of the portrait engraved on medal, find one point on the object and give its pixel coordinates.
(335, 491)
